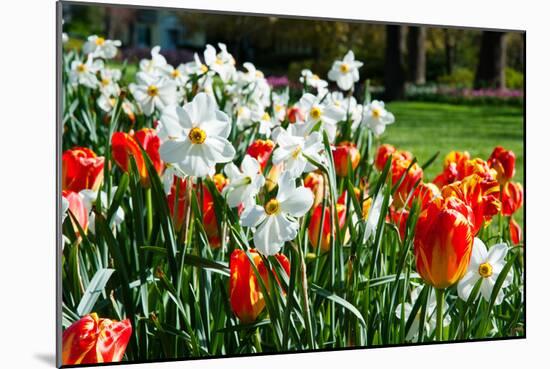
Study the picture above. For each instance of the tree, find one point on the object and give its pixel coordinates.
(450, 50)
(417, 54)
(394, 70)
(492, 60)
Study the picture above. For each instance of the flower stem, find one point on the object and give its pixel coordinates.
(440, 298)
(149, 204)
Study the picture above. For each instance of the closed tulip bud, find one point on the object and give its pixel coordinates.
(511, 198)
(387, 150)
(124, 146)
(316, 183)
(515, 231)
(341, 153)
(504, 162)
(210, 221)
(272, 177)
(77, 208)
(246, 297)
(261, 150)
(481, 195)
(443, 242)
(177, 202)
(92, 340)
(294, 114)
(82, 169)
(322, 236)
(399, 218)
(411, 177)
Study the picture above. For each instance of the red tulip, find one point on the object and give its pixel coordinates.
(328, 230)
(92, 340)
(511, 198)
(504, 162)
(124, 146)
(77, 208)
(247, 300)
(443, 241)
(453, 168)
(480, 167)
(481, 195)
(261, 150)
(385, 151)
(82, 169)
(341, 153)
(412, 176)
(177, 202)
(515, 231)
(294, 114)
(399, 218)
(424, 193)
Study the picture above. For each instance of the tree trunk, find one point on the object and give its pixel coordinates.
(492, 60)
(450, 51)
(417, 54)
(394, 70)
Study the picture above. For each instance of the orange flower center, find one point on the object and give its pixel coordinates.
(272, 207)
(81, 68)
(344, 68)
(197, 135)
(175, 73)
(485, 270)
(376, 113)
(100, 41)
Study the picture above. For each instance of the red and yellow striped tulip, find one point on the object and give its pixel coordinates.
(424, 193)
(341, 153)
(443, 241)
(504, 162)
(387, 150)
(481, 195)
(316, 183)
(92, 340)
(82, 169)
(453, 168)
(327, 231)
(412, 176)
(246, 297)
(124, 146)
(511, 198)
(77, 208)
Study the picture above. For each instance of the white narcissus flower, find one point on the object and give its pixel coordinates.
(195, 136)
(276, 223)
(345, 72)
(327, 114)
(177, 75)
(99, 47)
(108, 83)
(376, 117)
(292, 146)
(267, 123)
(155, 66)
(311, 79)
(89, 198)
(85, 73)
(487, 266)
(153, 91)
(244, 184)
(222, 63)
(430, 320)
(280, 102)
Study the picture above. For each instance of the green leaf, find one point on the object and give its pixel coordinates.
(96, 286)
(340, 301)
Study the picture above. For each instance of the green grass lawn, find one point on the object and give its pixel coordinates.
(426, 128)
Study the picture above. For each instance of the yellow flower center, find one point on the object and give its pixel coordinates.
(266, 116)
(366, 208)
(296, 152)
(376, 113)
(272, 207)
(175, 73)
(315, 77)
(100, 41)
(197, 135)
(315, 113)
(204, 68)
(152, 91)
(105, 82)
(259, 74)
(485, 270)
(344, 68)
(278, 107)
(219, 60)
(81, 68)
